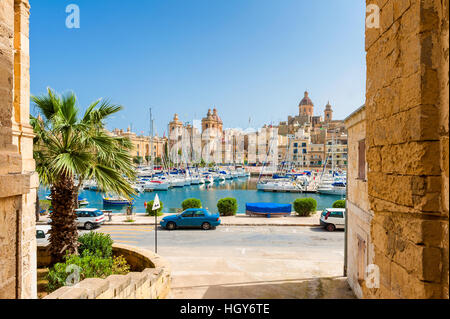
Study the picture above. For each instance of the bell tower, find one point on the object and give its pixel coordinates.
(328, 113)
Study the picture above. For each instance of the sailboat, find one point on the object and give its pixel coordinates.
(334, 183)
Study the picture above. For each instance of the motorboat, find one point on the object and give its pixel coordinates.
(115, 200)
(159, 185)
(335, 188)
(82, 201)
(280, 186)
(177, 182)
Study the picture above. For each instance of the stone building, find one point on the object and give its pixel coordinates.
(142, 144)
(406, 145)
(212, 121)
(18, 182)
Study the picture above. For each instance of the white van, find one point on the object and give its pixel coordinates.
(333, 218)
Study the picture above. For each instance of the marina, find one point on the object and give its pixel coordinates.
(243, 189)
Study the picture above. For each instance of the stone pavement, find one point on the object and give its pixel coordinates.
(239, 220)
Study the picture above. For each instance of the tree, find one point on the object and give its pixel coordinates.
(68, 150)
(137, 160)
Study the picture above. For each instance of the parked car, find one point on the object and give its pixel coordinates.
(88, 218)
(333, 218)
(42, 231)
(191, 218)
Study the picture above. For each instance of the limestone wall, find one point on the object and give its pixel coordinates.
(150, 278)
(18, 182)
(407, 139)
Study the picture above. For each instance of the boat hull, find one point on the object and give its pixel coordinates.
(338, 192)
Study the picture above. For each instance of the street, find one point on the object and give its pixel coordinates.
(247, 262)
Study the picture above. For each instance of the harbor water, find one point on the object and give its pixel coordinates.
(244, 190)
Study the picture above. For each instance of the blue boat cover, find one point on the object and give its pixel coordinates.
(268, 208)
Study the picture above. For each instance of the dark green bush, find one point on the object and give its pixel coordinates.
(95, 244)
(149, 210)
(227, 206)
(339, 203)
(191, 203)
(305, 206)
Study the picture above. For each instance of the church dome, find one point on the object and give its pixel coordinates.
(306, 100)
(328, 106)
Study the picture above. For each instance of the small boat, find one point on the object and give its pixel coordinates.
(178, 182)
(115, 200)
(81, 200)
(159, 185)
(280, 186)
(268, 209)
(336, 188)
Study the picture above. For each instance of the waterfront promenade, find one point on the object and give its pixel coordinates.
(238, 220)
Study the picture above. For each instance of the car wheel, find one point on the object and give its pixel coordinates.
(206, 226)
(171, 226)
(331, 227)
(88, 226)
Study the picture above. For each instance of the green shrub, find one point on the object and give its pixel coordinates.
(149, 210)
(339, 203)
(191, 203)
(79, 268)
(227, 206)
(305, 206)
(96, 244)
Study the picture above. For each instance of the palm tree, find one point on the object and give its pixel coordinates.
(68, 150)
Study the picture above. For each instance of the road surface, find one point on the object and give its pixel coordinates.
(247, 262)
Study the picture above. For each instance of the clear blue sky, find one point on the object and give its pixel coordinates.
(249, 58)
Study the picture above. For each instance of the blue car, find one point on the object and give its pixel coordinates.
(191, 218)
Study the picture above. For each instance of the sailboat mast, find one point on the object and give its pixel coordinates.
(151, 140)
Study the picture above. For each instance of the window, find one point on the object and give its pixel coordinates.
(295, 144)
(362, 159)
(199, 213)
(82, 214)
(337, 215)
(303, 144)
(40, 234)
(188, 214)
